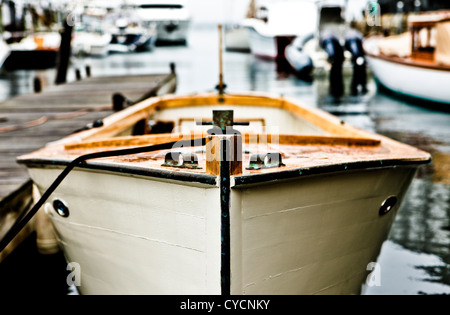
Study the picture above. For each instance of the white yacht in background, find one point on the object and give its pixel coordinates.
(415, 64)
(171, 17)
(105, 28)
(91, 43)
(127, 32)
(236, 38)
(34, 51)
(276, 24)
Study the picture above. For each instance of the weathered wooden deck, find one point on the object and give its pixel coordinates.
(28, 122)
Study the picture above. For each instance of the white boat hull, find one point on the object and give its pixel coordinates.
(413, 81)
(92, 44)
(176, 32)
(171, 19)
(301, 204)
(236, 39)
(145, 235)
(262, 46)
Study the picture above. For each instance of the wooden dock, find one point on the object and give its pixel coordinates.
(29, 122)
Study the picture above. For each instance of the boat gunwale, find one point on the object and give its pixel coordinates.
(339, 135)
(170, 173)
(166, 173)
(323, 120)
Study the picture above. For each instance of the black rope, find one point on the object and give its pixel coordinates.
(20, 224)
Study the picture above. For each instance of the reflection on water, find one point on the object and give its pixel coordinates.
(419, 243)
(408, 272)
(422, 227)
(416, 259)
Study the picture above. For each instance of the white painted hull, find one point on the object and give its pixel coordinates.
(285, 21)
(142, 235)
(135, 236)
(262, 46)
(418, 82)
(159, 223)
(172, 19)
(236, 39)
(91, 44)
(165, 32)
(312, 236)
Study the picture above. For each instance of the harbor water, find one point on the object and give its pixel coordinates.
(414, 260)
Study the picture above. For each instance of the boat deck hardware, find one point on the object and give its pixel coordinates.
(61, 208)
(95, 124)
(181, 160)
(265, 160)
(388, 205)
(223, 121)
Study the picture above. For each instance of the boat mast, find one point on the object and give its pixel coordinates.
(221, 86)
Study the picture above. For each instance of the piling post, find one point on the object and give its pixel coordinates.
(88, 71)
(64, 53)
(78, 74)
(119, 102)
(37, 85)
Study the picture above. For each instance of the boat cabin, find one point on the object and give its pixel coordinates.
(430, 35)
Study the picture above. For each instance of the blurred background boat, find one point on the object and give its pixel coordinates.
(90, 36)
(127, 32)
(4, 51)
(235, 34)
(310, 37)
(33, 40)
(331, 29)
(34, 51)
(300, 61)
(110, 27)
(415, 64)
(172, 19)
(273, 25)
(236, 38)
(91, 43)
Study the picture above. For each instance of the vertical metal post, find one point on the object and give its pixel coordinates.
(225, 191)
(221, 86)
